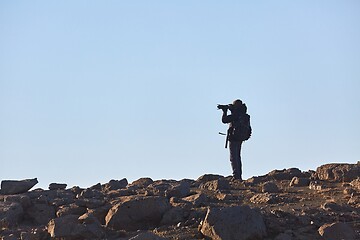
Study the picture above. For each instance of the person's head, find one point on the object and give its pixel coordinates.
(237, 103)
(236, 106)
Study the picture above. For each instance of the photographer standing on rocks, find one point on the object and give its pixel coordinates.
(239, 131)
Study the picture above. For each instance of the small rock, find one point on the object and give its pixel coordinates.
(115, 184)
(35, 234)
(356, 183)
(354, 199)
(348, 191)
(316, 186)
(226, 197)
(219, 184)
(334, 207)
(142, 182)
(71, 209)
(197, 200)
(57, 186)
(299, 182)
(147, 236)
(179, 190)
(90, 193)
(256, 180)
(270, 187)
(285, 174)
(96, 186)
(9, 237)
(99, 213)
(160, 187)
(263, 198)
(337, 231)
(206, 178)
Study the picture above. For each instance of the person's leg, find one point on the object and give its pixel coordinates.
(234, 148)
(240, 163)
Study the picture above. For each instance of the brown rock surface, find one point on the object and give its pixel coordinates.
(292, 205)
(233, 223)
(337, 231)
(135, 213)
(338, 172)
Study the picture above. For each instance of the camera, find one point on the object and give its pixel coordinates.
(224, 107)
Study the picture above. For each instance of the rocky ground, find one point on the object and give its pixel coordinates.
(281, 205)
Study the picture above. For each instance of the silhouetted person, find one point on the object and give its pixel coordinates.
(239, 131)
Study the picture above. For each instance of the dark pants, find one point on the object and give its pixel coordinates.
(235, 158)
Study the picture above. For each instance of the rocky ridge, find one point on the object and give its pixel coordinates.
(281, 205)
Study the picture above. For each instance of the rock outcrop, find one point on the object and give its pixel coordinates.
(15, 186)
(338, 172)
(281, 205)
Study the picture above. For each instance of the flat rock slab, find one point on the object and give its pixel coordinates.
(233, 223)
(137, 213)
(17, 186)
(57, 186)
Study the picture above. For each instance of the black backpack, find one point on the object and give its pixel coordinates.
(240, 129)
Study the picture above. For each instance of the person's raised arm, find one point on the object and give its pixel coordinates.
(226, 118)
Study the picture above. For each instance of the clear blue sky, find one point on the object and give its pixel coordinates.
(98, 90)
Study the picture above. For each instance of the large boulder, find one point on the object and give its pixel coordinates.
(90, 198)
(338, 172)
(233, 223)
(65, 226)
(337, 231)
(75, 227)
(41, 213)
(17, 186)
(10, 214)
(135, 213)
